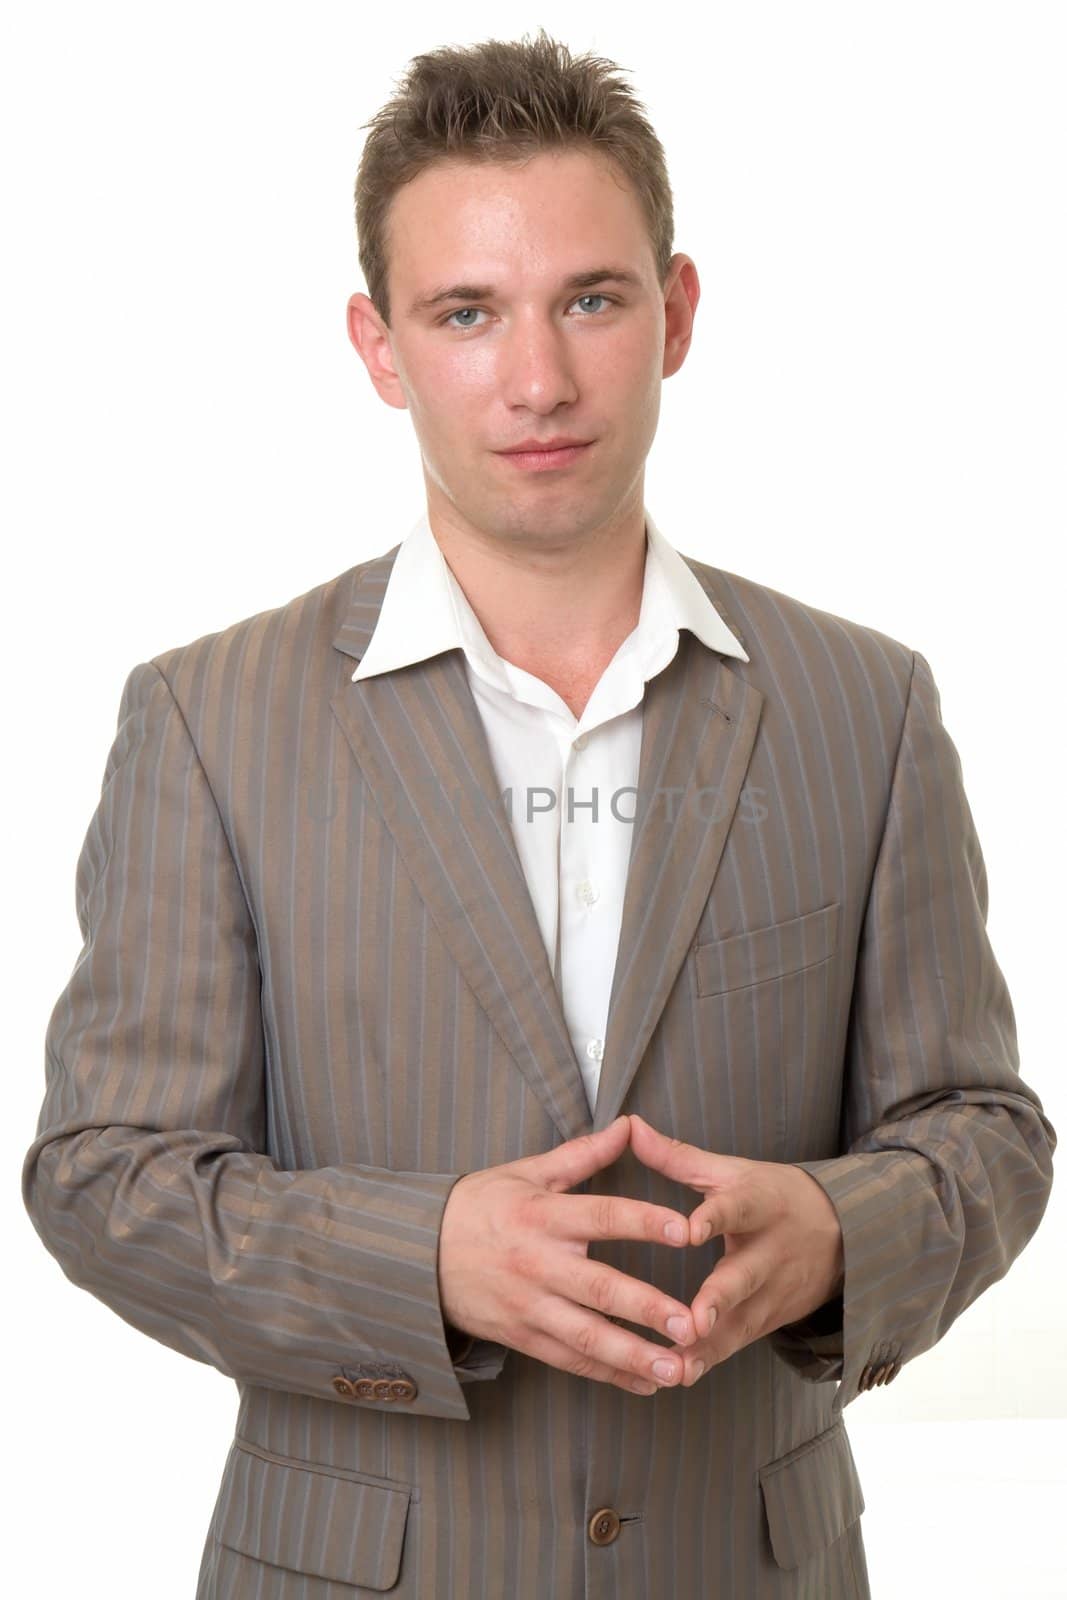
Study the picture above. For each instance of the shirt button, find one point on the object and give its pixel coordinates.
(579, 742)
(595, 1049)
(588, 892)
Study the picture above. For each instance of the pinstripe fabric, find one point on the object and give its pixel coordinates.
(313, 993)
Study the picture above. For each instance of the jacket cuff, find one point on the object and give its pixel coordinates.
(857, 1336)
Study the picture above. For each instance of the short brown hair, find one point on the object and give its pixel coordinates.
(504, 101)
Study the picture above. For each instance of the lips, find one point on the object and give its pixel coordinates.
(542, 446)
(546, 458)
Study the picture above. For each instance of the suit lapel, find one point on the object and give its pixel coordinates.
(419, 740)
(699, 726)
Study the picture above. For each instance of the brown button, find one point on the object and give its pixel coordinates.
(604, 1526)
(383, 1389)
(403, 1389)
(364, 1388)
(343, 1386)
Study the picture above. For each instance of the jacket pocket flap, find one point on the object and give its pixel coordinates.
(345, 1526)
(771, 952)
(811, 1495)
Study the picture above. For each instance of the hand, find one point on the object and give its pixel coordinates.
(513, 1264)
(784, 1253)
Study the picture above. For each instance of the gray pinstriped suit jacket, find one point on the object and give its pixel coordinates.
(313, 993)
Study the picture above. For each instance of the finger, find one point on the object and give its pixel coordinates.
(575, 1160)
(742, 1208)
(545, 1347)
(742, 1325)
(611, 1216)
(592, 1338)
(732, 1331)
(736, 1278)
(616, 1294)
(696, 1359)
(685, 1163)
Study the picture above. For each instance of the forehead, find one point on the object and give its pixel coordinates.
(473, 217)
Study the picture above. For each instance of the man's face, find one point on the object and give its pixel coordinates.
(533, 357)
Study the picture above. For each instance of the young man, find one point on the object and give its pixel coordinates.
(460, 929)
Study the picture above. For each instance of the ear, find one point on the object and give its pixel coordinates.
(373, 341)
(681, 293)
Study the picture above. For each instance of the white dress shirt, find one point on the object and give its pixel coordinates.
(568, 784)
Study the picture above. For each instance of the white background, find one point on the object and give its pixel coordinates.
(871, 418)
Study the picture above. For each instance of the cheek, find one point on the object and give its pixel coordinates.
(452, 386)
(628, 372)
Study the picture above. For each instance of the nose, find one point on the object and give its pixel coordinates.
(536, 365)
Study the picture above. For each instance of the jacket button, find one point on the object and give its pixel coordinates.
(343, 1386)
(604, 1526)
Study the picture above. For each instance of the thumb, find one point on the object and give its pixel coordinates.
(575, 1160)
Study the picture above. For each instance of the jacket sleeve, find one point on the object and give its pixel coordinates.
(947, 1163)
(149, 1180)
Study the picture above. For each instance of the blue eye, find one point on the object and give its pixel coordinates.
(462, 310)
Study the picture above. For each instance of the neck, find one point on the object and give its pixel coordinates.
(552, 608)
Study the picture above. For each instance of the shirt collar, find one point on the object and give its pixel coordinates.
(424, 611)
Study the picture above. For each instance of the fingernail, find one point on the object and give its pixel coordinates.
(678, 1328)
(698, 1368)
(675, 1232)
(664, 1369)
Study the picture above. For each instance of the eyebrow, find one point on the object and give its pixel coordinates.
(486, 291)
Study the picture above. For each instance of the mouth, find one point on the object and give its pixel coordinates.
(546, 460)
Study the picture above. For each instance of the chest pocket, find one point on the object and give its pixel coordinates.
(749, 958)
